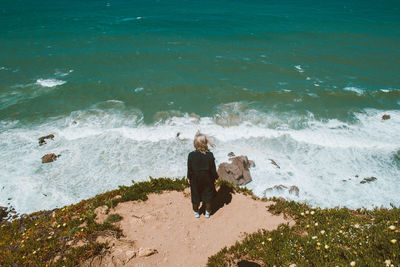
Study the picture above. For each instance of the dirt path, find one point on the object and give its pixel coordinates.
(165, 223)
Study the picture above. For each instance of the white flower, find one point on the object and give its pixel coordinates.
(316, 224)
(322, 232)
(393, 241)
(357, 226)
(388, 262)
(353, 263)
(307, 212)
(314, 237)
(392, 227)
(312, 212)
(326, 246)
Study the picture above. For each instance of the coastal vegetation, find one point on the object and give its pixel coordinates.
(319, 237)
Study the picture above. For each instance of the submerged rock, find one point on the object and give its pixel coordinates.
(367, 180)
(49, 158)
(236, 172)
(385, 117)
(42, 140)
(276, 187)
(274, 163)
(294, 190)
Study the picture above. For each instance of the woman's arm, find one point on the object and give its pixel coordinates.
(189, 168)
(213, 169)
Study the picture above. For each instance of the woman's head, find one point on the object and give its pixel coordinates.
(201, 142)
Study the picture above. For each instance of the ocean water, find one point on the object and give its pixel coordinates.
(303, 83)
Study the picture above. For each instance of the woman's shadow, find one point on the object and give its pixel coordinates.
(223, 197)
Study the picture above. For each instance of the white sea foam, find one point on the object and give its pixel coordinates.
(299, 68)
(49, 82)
(63, 74)
(139, 89)
(108, 145)
(359, 91)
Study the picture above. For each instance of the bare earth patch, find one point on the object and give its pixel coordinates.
(165, 226)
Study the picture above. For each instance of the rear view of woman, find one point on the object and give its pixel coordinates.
(202, 174)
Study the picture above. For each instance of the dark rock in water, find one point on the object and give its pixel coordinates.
(367, 180)
(231, 154)
(276, 187)
(294, 190)
(42, 140)
(385, 117)
(49, 158)
(356, 176)
(178, 136)
(274, 163)
(236, 172)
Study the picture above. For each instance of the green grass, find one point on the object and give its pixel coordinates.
(321, 237)
(112, 218)
(39, 238)
(362, 236)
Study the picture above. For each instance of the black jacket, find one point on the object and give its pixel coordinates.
(202, 174)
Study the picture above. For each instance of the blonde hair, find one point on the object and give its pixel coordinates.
(201, 142)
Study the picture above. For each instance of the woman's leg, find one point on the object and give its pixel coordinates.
(208, 207)
(196, 207)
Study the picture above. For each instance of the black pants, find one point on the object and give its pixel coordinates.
(208, 207)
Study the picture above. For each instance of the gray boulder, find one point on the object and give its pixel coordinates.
(237, 172)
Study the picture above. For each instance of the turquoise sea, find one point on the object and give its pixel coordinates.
(302, 82)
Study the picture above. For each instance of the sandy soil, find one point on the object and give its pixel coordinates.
(165, 227)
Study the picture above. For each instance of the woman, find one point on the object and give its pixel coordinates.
(202, 174)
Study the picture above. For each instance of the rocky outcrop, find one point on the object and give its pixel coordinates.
(385, 117)
(49, 158)
(145, 252)
(368, 180)
(293, 190)
(236, 172)
(42, 140)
